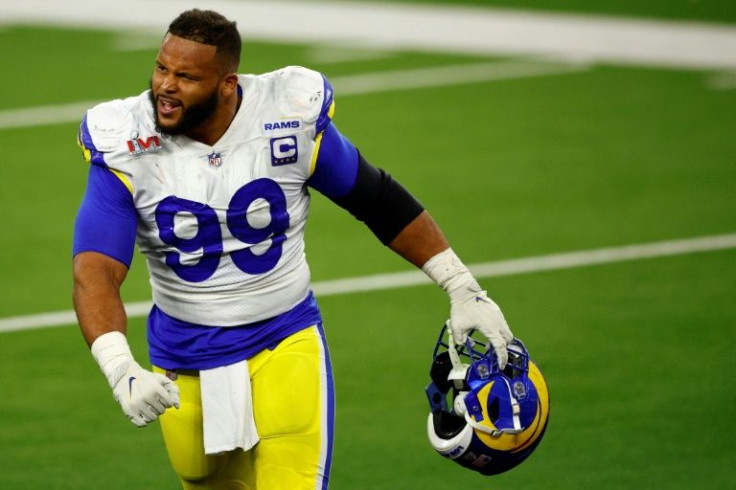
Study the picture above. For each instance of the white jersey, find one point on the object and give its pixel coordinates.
(222, 227)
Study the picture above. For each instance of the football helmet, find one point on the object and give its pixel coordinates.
(484, 418)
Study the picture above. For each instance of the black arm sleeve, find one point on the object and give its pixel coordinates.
(380, 202)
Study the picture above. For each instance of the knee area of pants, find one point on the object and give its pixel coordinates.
(213, 484)
(199, 471)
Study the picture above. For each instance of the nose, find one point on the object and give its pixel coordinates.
(168, 84)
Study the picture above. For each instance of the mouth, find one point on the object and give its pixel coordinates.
(167, 107)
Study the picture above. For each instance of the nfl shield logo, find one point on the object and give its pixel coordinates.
(215, 159)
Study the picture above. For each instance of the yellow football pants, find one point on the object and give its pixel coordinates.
(293, 406)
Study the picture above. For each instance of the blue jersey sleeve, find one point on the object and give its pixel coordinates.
(368, 193)
(107, 220)
(336, 167)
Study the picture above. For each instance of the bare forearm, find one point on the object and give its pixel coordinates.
(96, 295)
(98, 312)
(420, 240)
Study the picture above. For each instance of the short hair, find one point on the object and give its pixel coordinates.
(212, 28)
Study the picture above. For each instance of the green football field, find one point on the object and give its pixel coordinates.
(638, 354)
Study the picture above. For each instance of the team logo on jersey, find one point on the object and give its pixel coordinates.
(283, 125)
(284, 150)
(138, 145)
(215, 159)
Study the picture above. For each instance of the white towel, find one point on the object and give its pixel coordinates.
(227, 408)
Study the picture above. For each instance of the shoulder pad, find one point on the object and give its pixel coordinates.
(304, 93)
(106, 127)
(109, 123)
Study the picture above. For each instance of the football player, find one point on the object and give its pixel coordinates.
(208, 171)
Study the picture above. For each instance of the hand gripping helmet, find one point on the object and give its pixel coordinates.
(484, 418)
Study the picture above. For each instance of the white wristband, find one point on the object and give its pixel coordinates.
(448, 272)
(112, 353)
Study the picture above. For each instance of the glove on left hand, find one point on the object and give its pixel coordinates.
(142, 394)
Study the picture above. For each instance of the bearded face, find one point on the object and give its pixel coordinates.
(185, 87)
(174, 116)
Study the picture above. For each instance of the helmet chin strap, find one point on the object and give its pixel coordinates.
(459, 370)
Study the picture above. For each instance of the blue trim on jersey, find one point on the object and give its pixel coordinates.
(337, 165)
(324, 115)
(97, 157)
(330, 408)
(176, 344)
(107, 219)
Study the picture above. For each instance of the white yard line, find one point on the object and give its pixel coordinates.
(417, 78)
(436, 28)
(571, 39)
(344, 86)
(44, 115)
(376, 282)
(328, 54)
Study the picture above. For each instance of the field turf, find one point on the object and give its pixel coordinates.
(637, 355)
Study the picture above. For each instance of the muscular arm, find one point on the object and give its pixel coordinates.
(97, 281)
(420, 240)
(104, 239)
(374, 197)
(399, 221)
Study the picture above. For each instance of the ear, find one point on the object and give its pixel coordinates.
(229, 84)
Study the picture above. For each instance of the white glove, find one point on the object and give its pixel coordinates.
(470, 306)
(143, 395)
